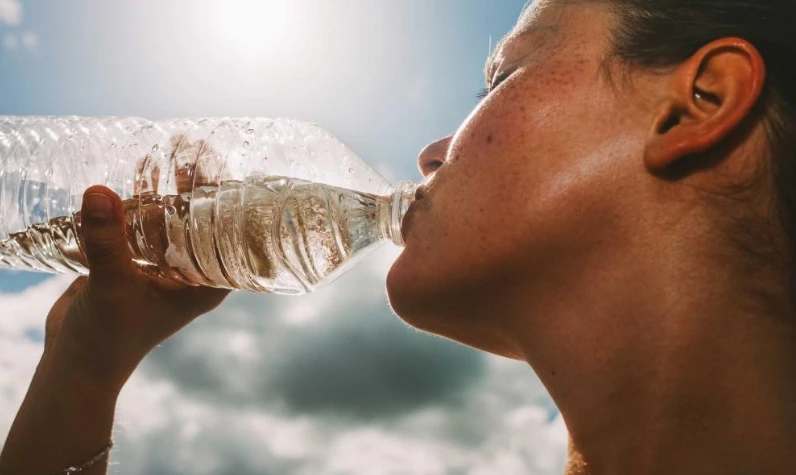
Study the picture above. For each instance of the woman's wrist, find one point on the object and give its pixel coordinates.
(64, 359)
(66, 417)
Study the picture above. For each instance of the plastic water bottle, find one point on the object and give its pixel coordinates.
(243, 203)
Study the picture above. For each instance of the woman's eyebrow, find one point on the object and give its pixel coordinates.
(491, 64)
(489, 67)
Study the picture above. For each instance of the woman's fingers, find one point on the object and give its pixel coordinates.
(104, 237)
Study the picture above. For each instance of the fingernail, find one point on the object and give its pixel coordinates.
(98, 205)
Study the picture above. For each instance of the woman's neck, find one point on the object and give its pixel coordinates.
(659, 374)
(723, 403)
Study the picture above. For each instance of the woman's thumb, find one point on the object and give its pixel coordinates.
(103, 229)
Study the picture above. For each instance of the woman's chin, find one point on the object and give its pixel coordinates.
(419, 295)
(434, 306)
(411, 290)
(402, 292)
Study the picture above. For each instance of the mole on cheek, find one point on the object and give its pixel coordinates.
(489, 138)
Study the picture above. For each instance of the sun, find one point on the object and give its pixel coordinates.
(252, 25)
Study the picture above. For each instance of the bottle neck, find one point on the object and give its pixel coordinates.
(395, 209)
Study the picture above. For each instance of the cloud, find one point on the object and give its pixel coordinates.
(357, 359)
(161, 430)
(10, 12)
(370, 365)
(11, 15)
(349, 389)
(30, 40)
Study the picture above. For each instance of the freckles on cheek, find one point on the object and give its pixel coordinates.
(561, 77)
(534, 102)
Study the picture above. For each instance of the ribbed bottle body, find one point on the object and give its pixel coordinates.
(256, 204)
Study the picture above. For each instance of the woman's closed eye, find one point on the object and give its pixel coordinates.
(495, 83)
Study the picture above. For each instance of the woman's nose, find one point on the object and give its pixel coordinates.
(433, 155)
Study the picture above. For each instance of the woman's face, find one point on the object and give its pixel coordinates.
(525, 187)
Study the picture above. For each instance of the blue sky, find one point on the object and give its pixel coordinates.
(385, 76)
(326, 383)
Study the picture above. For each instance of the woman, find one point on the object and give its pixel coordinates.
(618, 212)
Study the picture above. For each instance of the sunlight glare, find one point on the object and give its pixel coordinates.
(252, 25)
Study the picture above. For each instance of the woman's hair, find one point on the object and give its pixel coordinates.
(653, 34)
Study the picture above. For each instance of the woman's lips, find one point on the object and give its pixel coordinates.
(419, 202)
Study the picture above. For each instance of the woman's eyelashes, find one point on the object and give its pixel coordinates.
(498, 79)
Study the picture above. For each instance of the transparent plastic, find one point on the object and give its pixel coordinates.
(267, 205)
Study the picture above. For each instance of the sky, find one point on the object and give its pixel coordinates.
(327, 383)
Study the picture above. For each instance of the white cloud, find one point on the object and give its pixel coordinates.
(500, 422)
(10, 41)
(30, 40)
(368, 451)
(10, 12)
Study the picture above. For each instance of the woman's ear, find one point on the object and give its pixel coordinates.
(709, 96)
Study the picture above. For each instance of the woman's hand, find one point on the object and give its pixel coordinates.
(96, 334)
(105, 324)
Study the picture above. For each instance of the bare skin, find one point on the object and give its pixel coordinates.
(551, 232)
(607, 274)
(97, 333)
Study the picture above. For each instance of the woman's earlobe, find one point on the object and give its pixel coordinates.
(666, 139)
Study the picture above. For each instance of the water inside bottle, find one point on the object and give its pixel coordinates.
(266, 233)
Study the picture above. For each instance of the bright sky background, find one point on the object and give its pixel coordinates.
(330, 383)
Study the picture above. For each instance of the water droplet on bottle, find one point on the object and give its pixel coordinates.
(246, 143)
(351, 170)
(155, 148)
(85, 163)
(249, 131)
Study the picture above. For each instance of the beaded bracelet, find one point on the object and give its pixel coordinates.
(88, 463)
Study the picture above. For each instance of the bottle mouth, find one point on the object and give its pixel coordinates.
(402, 197)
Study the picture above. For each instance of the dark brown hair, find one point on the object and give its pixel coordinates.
(664, 33)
